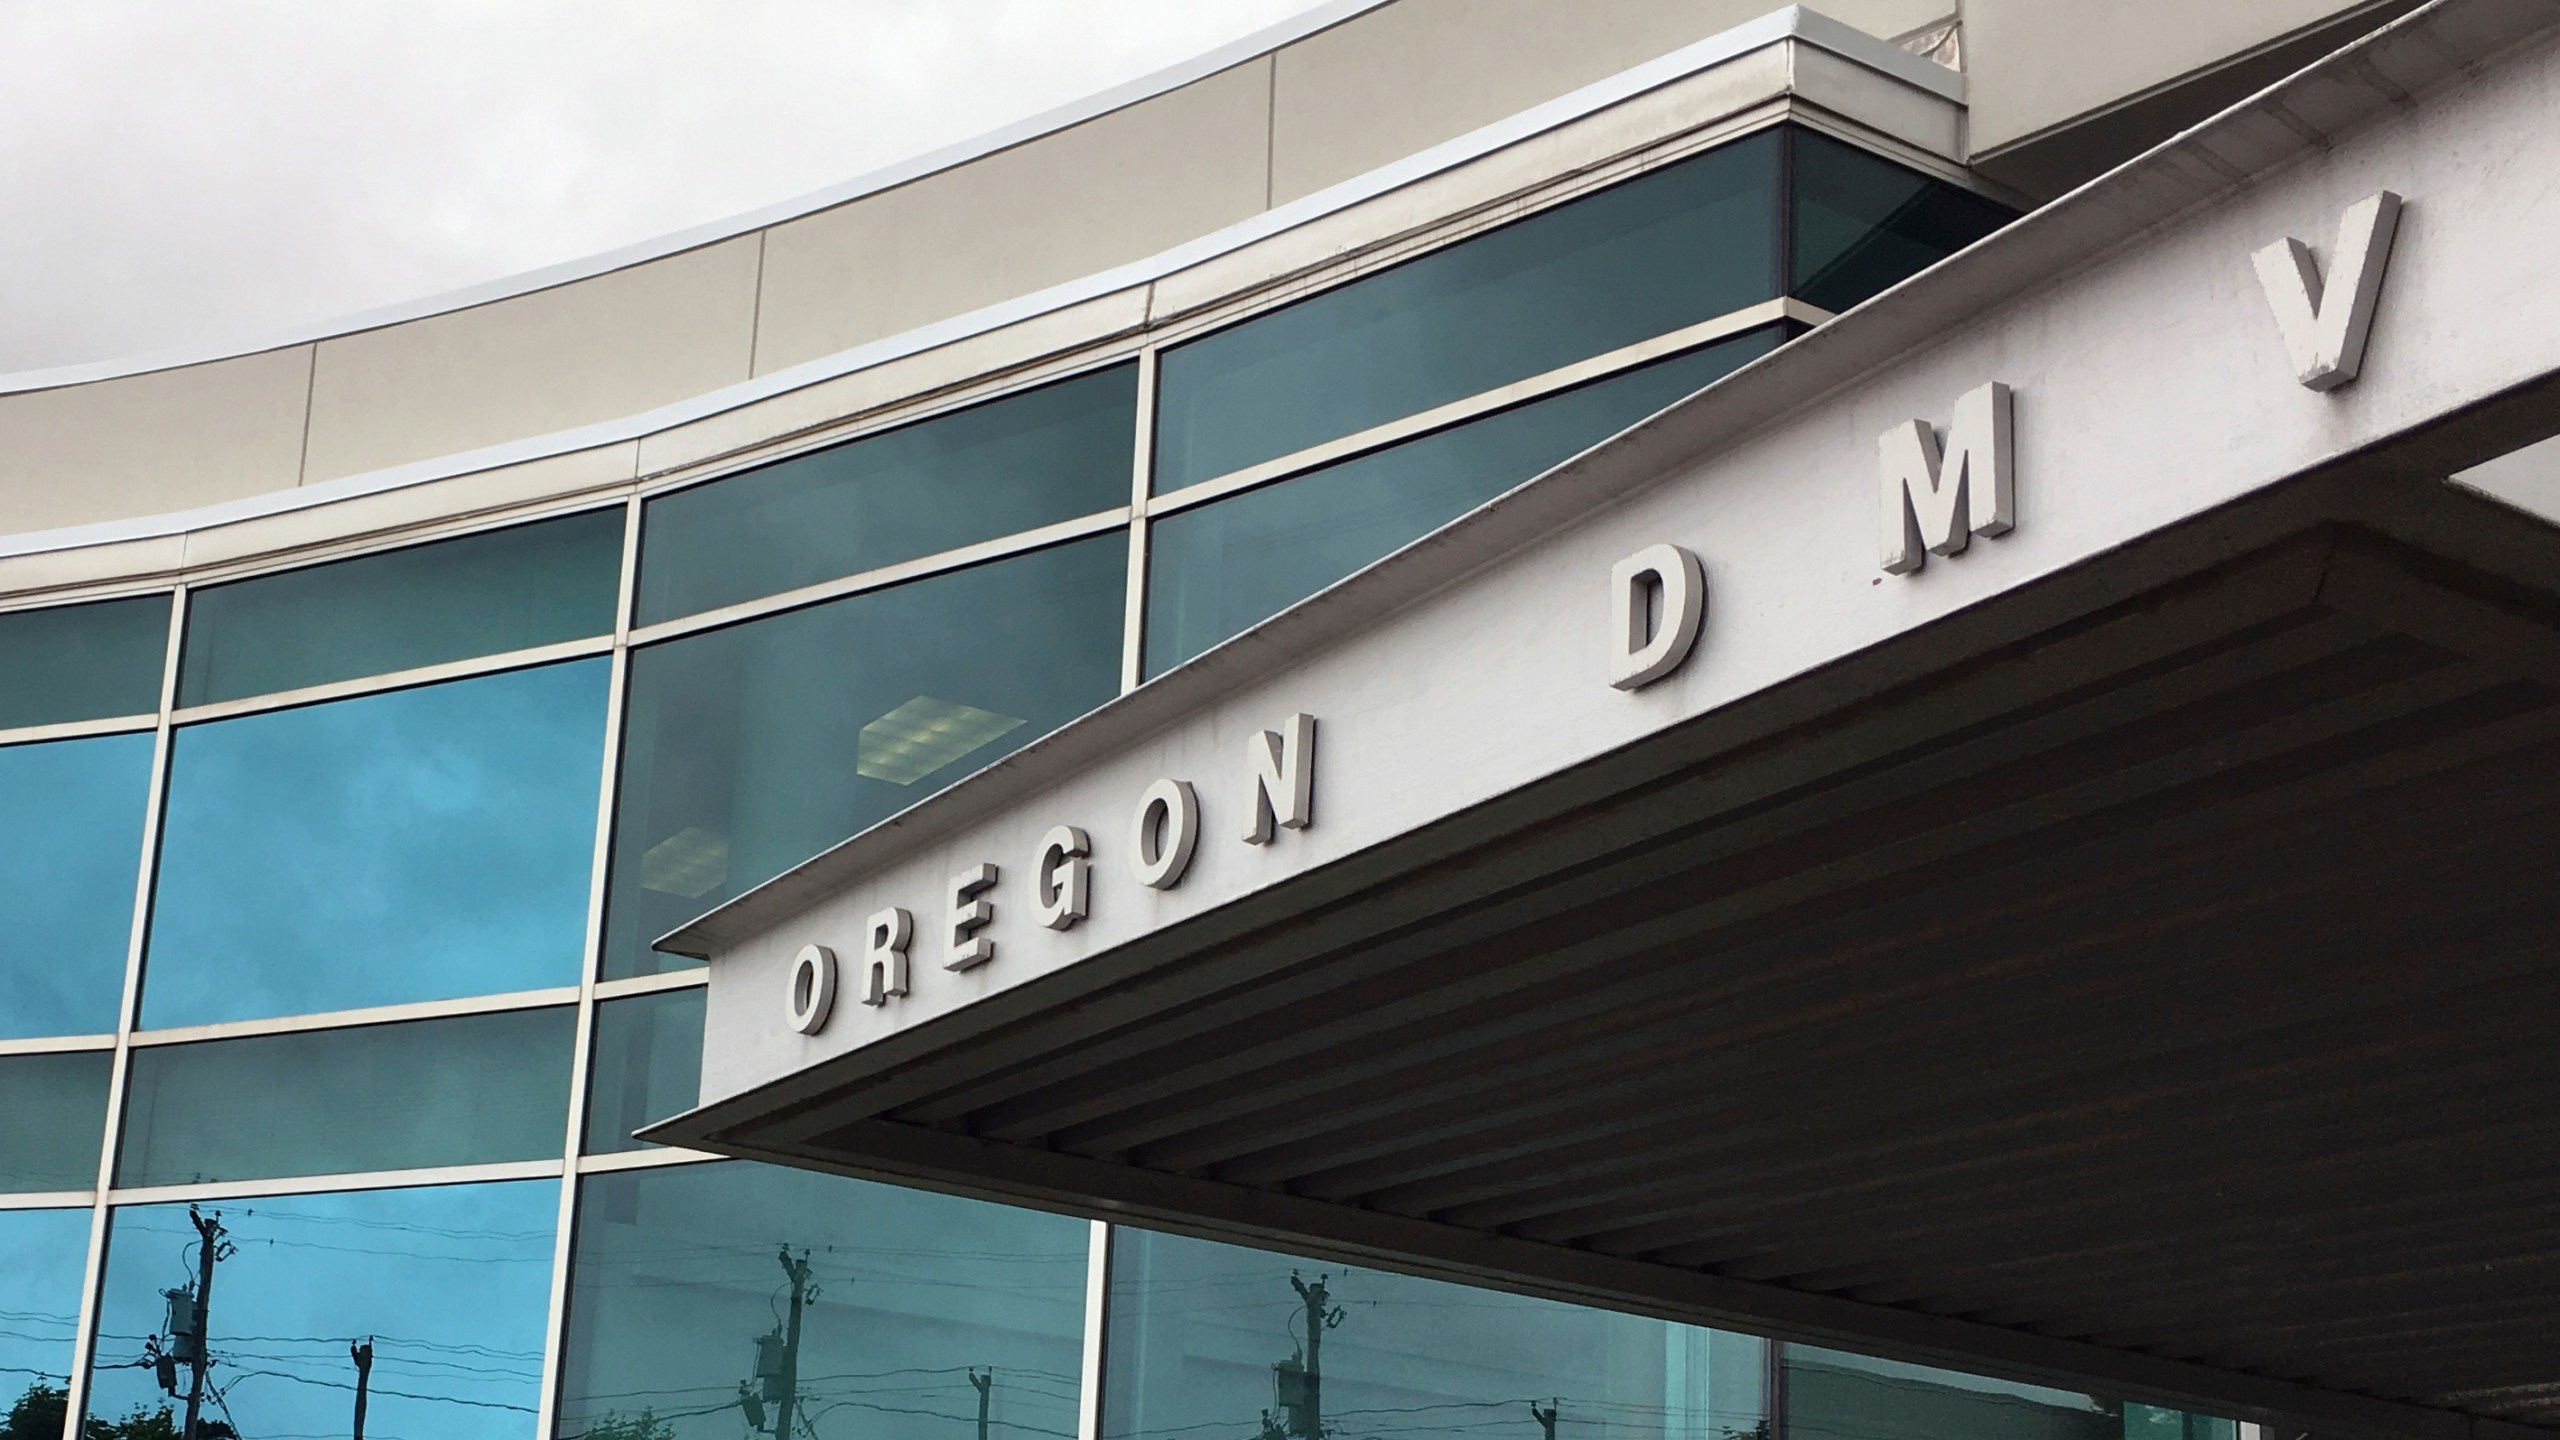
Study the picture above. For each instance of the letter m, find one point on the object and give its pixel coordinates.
(1939, 497)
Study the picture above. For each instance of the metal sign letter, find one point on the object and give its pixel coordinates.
(964, 946)
(884, 955)
(1283, 777)
(811, 993)
(1062, 883)
(1166, 832)
(1657, 596)
(2325, 326)
(1939, 498)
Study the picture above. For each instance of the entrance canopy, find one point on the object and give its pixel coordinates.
(2090, 918)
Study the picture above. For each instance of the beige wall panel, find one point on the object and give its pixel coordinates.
(91, 570)
(1907, 113)
(2032, 64)
(1413, 74)
(483, 492)
(1117, 188)
(551, 360)
(148, 444)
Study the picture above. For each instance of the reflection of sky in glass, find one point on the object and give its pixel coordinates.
(40, 1255)
(71, 822)
(416, 845)
(452, 1283)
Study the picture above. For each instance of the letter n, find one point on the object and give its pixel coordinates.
(1284, 777)
(1936, 498)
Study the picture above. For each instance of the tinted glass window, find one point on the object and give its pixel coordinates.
(678, 1291)
(1682, 244)
(479, 595)
(1864, 224)
(414, 845)
(464, 1091)
(1226, 565)
(1212, 1340)
(41, 1256)
(53, 1115)
(449, 1287)
(71, 835)
(647, 1065)
(1026, 460)
(1836, 1396)
(83, 662)
(749, 749)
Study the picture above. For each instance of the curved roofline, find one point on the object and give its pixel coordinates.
(1323, 16)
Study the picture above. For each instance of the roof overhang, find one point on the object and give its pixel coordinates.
(2120, 952)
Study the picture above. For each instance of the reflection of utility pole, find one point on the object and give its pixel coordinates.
(362, 1353)
(778, 1356)
(1300, 1380)
(986, 1385)
(1546, 1418)
(188, 1309)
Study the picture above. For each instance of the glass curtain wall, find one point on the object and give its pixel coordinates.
(331, 1003)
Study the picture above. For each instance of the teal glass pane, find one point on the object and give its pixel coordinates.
(677, 1280)
(53, 1118)
(1831, 1395)
(1685, 243)
(1214, 570)
(1011, 464)
(647, 1065)
(1213, 1340)
(42, 1254)
(450, 1286)
(469, 1090)
(83, 662)
(1864, 224)
(418, 844)
(482, 594)
(748, 749)
(71, 835)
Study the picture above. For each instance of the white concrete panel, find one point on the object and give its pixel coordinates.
(552, 360)
(1117, 188)
(89, 570)
(144, 444)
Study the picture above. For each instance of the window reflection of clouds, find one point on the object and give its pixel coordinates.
(415, 845)
(70, 848)
(40, 1259)
(451, 1282)
(53, 1111)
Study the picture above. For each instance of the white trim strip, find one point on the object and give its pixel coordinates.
(694, 976)
(49, 1200)
(658, 1157)
(330, 1184)
(78, 729)
(57, 1045)
(1097, 1331)
(352, 1019)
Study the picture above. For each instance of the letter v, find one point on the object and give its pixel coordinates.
(2324, 327)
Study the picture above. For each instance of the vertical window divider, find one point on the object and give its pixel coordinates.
(84, 1337)
(1097, 1322)
(1133, 621)
(1786, 208)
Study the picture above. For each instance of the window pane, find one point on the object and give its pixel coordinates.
(70, 851)
(648, 1065)
(1026, 460)
(451, 1286)
(677, 1280)
(469, 1090)
(1232, 563)
(1682, 244)
(53, 1118)
(1865, 224)
(418, 844)
(1836, 1396)
(479, 595)
(749, 749)
(42, 1253)
(83, 662)
(1212, 1340)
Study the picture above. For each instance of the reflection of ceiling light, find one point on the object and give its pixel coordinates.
(688, 863)
(923, 735)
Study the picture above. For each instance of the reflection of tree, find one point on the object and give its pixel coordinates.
(38, 1415)
(615, 1425)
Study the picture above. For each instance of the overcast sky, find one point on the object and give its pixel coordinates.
(184, 172)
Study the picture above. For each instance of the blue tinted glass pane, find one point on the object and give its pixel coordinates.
(53, 1117)
(414, 845)
(1864, 224)
(1836, 1396)
(42, 1253)
(480, 595)
(749, 749)
(83, 662)
(1026, 460)
(1683, 244)
(1206, 1340)
(1214, 570)
(450, 1286)
(677, 1275)
(465, 1091)
(647, 1065)
(71, 832)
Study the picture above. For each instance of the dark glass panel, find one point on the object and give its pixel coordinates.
(83, 662)
(53, 1118)
(418, 844)
(1212, 1340)
(1011, 464)
(42, 1254)
(647, 1065)
(468, 1090)
(1864, 224)
(482, 594)
(71, 833)
(747, 750)
(1837, 1396)
(1681, 244)
(1224, 566)
(450, 1286)
(678, 1279)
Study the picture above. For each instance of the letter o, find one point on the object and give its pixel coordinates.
(1167, 831)
(811, 995)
